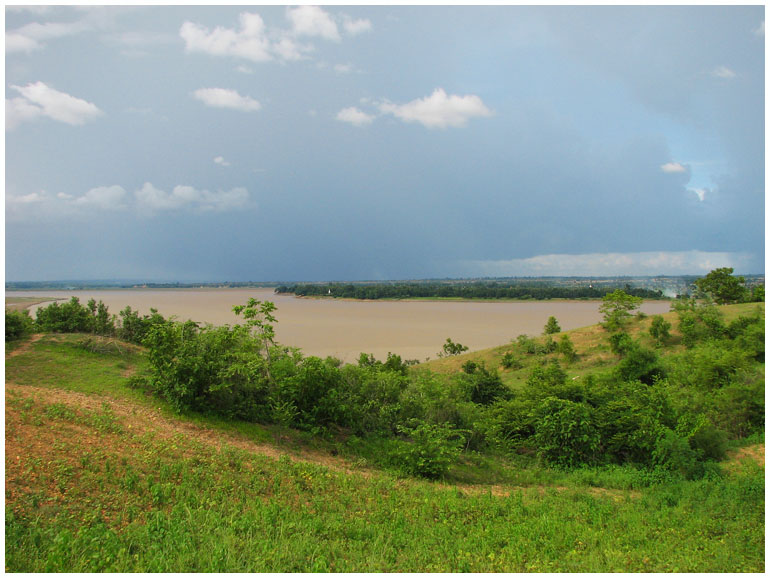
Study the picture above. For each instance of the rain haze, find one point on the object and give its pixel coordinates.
(195, 143)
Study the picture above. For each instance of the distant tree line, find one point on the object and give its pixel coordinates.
(472, 290)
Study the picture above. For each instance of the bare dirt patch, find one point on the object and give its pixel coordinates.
(755, 452)
(24, 347)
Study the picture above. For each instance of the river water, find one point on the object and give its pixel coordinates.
(345, 328)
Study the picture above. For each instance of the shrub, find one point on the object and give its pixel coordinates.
(509, 423)
(71, 317)
(432, 449)
(698, 322)
(208, 369)
(673, 453)
(640, 364)
(552, 326)
(482, 385)
(565, 433)
(510, 361)
(528, 345)
(660, 329)
(18, 324)
(621, 343)
(739, 408)
(567, 349)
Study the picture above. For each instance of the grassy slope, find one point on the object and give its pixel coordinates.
(590, 344)
(102, 478)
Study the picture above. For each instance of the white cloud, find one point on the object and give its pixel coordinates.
(107, 198)
(312, 21)
(700, 193)
(439, 110)
(226, 98)
(32, 36)
(723, 72)
(254, 41)
(39, 100)
(288, 48)
(147, 201)
(354, 116)
(151, 200)
(25, 199)
(249, 42)
(343, 68)
(355, 27)
(673, 168)
(760, 30)
(221, 161)
(610, 264)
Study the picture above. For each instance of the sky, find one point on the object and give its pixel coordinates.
(307, 143)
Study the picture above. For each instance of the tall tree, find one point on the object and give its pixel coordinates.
(722, 286)
(551, 326)
(617, 307)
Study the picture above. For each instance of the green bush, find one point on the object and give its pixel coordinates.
(510, 423)
(565, 433)
(698, 321)
(18, 324)
(70, 317)
(660, 329)
(510, 361)
(673, 453)
(567, 349)
(432, 449)
(640, 364)
(483, 386)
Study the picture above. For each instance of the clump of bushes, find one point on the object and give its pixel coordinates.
(18, 324)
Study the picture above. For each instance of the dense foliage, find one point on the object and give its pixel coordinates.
(72, 317)
(669, 414)
(18, 324)
(469, 290)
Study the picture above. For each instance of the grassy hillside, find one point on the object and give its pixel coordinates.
(103, 477)
(591, 345)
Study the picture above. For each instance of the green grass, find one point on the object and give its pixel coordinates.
(91, 489)
(78, 363)
(138, 503)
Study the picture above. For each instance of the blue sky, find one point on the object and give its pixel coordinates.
(200, 143)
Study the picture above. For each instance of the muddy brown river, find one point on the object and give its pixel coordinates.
(344, 329)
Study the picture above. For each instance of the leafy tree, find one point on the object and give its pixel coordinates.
(551, 326)
(722, 286)
(617, 307)
(451, 348)
(566, 348)
(259, 319)
(660, 329)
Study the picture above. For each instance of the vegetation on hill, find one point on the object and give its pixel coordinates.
(650, 405)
